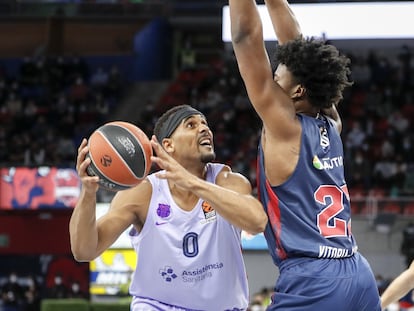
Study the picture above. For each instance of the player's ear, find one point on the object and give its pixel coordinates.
(168, 145)
(299, 91)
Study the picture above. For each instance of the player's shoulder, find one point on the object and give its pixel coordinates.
(139, 195)
(227, 175)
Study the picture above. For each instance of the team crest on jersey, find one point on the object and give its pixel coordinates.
(164, 213)
(209, 212)
(324, 139)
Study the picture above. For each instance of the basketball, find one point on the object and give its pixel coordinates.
(120, 154)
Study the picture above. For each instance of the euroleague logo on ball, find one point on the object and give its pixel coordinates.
(106, 160)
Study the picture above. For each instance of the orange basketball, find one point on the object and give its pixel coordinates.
(120, 155)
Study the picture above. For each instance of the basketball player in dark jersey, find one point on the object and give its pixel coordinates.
(300, 163)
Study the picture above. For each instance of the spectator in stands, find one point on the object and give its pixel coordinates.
(400, 176)
(257, 302)
(408, 187)
(398, 122)
(57, 71)
(407, 145)
(359, 170)
(116, 83)
(356, 137)
(65, 149)
(373, 99)
(14, 105)
(76, 68)
(28, 72)
(58, 290)
(99, 79)
(380, 68)
(75, 291)
(32, 295)
(384, 172)
(12, 293)
(35, 154)
(78, 91)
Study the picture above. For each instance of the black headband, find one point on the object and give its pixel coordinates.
(174, 121)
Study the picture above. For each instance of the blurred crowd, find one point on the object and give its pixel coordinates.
(25, 293)
(51, 103)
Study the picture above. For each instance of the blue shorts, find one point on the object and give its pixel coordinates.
(307, 284)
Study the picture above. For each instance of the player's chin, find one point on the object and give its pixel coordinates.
(208, 156)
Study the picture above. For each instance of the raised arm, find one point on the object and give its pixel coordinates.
(333, 114)
(284, 21)
(249, 47)
(272, 103)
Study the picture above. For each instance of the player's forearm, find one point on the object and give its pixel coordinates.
(244, 20)
(398, 288)
(284, 20)
(333, 114)
(243, 211)
(82, 228)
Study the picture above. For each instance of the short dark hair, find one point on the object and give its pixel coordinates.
(320, 67)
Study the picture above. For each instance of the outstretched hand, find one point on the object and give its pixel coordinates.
(173, 171)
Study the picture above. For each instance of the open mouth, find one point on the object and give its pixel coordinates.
(205, 142)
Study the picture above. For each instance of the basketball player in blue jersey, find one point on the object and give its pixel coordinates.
(186, 221)
(300, 163)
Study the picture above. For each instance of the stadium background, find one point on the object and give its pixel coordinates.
(68, 66)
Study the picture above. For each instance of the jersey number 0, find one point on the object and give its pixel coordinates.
(190, 244)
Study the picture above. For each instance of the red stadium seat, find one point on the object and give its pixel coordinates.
(391, 207)
(408, 209)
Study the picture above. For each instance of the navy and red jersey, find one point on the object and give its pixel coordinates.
(310, 214)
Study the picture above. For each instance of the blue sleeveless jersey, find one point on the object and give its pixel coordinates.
(309, 214)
